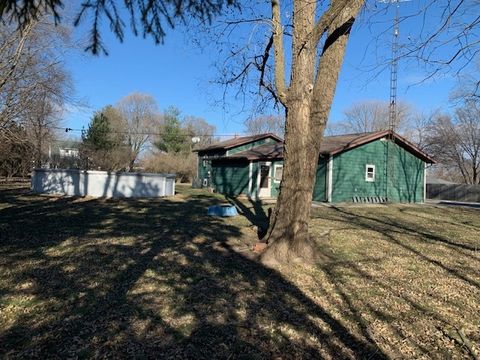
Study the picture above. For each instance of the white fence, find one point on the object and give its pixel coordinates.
(102, 183)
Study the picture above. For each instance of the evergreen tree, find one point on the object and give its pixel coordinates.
(98, 135)
(174, 138)
(103, 145)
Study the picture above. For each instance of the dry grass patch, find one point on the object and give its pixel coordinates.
(159, 278)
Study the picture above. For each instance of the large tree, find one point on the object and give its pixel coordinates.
(455, 141)
(139, 114)
(32, 69)
(199, 130)
(34, 83)
(318, 47)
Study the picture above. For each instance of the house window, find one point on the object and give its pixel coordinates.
(278, 173)
(370, 173)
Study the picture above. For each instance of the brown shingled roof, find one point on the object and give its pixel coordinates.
(268, 151)
(332, 145)
(338, 143)
(231, 143)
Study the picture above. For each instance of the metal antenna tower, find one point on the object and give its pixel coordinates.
(392, 116)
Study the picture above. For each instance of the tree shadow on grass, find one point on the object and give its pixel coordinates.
(359, 269)
(391, 227)
(151, 278)
(254, 212)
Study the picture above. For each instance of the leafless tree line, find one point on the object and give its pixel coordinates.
(454, 141)
(34, 89)
(265, 124)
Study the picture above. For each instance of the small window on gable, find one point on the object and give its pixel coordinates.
(370, 173)
(277, 177)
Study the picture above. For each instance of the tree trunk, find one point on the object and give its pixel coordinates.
(288, 235)
(307, 104)
(38, 155)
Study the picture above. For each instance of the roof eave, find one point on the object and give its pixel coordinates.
(227, 147)
(264, 136)
(425, 157)
(254, 157)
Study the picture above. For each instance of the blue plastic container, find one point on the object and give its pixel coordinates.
(222, 210)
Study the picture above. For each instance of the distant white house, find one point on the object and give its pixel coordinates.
(64, 154)
(68, 152)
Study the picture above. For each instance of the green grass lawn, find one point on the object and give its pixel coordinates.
(160, 279)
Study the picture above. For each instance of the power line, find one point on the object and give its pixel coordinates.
(68, 129)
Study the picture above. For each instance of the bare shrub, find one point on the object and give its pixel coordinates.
(16, 152)
(181, 164)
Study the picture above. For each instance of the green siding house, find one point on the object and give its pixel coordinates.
(369, 167)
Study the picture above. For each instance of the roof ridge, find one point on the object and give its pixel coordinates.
(357, 134)
(237, 141)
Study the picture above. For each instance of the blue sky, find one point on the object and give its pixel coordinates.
(180, 74)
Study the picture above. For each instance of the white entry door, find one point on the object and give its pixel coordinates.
(263, 180)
